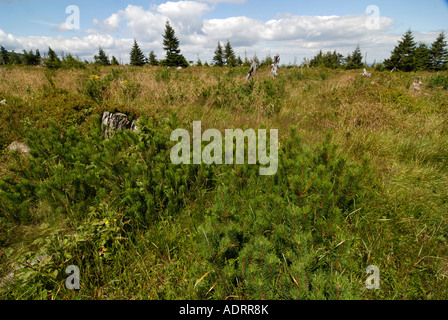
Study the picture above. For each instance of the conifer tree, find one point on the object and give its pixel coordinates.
(38, 57)
(171, 45)
(14, 58)
(137, 56)
(403, 55)
(114, 61)
(218, 59)
(354, 61)
(52, 62)
(102, 59)
(199, 62)
(229, 55)
(4, 56)
(330, 59)
(239, 61)
(152, 59)
(31, 59)
(438, 53)
(72, 62)
(422, 57)
(246, 62)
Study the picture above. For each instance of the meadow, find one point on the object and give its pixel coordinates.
(362, 181)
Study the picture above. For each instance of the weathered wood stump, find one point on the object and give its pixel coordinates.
(253, 68)
(275, 66)
(417, 84)
(111, 122)
(19, 147)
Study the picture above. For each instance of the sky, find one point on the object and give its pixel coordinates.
(296, 30)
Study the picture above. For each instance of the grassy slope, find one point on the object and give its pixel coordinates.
(405, 134)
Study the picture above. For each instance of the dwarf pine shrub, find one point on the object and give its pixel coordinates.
(438, 81)
(72, 172)
(285, 236)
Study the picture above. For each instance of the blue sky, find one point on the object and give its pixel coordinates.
(295, 29)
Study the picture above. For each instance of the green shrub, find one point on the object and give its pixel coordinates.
(95, 247)
(438, 81)
(166, 74)
(72, 172)
(285, 237)
(97, 88)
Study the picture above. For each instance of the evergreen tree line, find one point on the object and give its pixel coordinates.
(406, 56)
(334, 60)
(224, 56)
(137, 58)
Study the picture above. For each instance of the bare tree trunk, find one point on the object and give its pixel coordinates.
(275, 66)
(253, 68)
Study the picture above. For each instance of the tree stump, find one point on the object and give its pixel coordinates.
(112, 122)
(275, 66)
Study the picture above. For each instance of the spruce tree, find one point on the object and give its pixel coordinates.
(137, 56)
(4, 56)
(218, 59)
(38, 57)
(72, 62)
(246, 62)
(152, 59)
(114, 61)
(354, 61)
(267, 62)
(52, 62)
(229, 55)
(30, 59)
(199, 62)
(171, 45)
(422, 57)
(330, 59)
(403, 55)
(239, 61)
(102, 59)
(438, 53)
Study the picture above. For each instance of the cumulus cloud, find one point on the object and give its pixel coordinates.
(288, 34)
(224, 1)
(197, 33)
(110, 24)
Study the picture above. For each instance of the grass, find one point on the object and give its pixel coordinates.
(397, 220)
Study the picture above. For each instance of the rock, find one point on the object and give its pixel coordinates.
(111, 122)
(19, 147)
(3, 101)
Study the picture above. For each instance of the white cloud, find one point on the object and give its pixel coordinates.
(110, 24)
(196, 33)
(288, 34)
(186, 15)
(224, 1)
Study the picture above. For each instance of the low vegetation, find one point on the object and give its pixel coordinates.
(362, 181)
